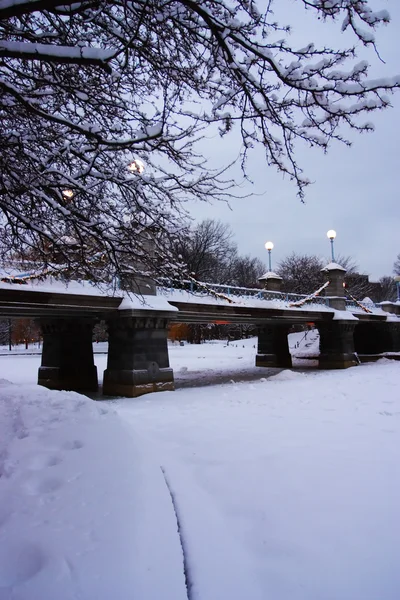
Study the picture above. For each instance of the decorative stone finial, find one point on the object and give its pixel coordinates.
(271, 281)
(335, 290)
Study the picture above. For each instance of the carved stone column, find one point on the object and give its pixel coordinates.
(337, 345)
(393, 333)
(334, 293)
(273, 347)
(138, 361)
(67, 356)
(271, 281)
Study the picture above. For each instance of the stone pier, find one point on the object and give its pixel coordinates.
(373, 338)
(336, 341)
(273, 346)
(336, 344)
(138, 361)
(67, 355)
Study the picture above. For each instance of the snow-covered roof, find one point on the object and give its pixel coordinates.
(269, 275)
(332, 266)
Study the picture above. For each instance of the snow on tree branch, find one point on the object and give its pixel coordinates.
(57, 54)
(89, 87)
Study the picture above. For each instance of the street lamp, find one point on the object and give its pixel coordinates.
(397, 280)
(68, 194)
(331, 235)
(269, 246)
(136, 166)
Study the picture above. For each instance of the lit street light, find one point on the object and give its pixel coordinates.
(269, 246)
(331, 235)
(136, 166)
(68, 194)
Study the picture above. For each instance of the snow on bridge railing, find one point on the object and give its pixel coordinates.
(200, 288)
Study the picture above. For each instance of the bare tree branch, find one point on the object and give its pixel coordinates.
(90, 88)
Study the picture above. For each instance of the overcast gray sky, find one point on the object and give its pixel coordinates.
(356, 189)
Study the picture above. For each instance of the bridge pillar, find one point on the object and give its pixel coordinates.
(138, 361)
(393, 336)
(271, 281)
(376, 338)
(336, 344)
(334, 294)
(67, 355)
(273, 347)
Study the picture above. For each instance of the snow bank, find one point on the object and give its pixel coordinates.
(292, 485)
(287, 375)
(82, 515)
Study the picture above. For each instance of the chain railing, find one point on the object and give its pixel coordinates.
(167, 286)
(199, 288)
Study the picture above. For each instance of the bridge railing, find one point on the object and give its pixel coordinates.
(360, 306)
(168, 286)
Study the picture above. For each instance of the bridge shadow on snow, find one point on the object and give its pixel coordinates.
(205, 377)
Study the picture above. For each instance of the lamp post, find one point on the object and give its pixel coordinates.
(397, 280)
(269, 246)
(136, 166)
(331, 235)
(68, 194)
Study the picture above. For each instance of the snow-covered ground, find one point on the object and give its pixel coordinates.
(194, 365)
(284, 487)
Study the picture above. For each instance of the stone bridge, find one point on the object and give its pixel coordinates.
(138, 360)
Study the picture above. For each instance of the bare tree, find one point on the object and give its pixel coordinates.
(246, 271)
(386, 290)
(207, 251)
(301, 273)
(6, 332)
(89, 88)
(357, 284)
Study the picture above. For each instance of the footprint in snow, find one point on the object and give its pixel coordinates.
(35, 486)
(19, 563)
(44, 460)
(72, 445)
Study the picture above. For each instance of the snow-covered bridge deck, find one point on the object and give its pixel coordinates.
(54, 298)
(138, 360)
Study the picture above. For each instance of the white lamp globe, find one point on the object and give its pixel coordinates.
(136, 166)
(269, 246)
(331, 234)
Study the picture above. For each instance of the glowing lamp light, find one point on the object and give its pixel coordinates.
(269, 246)
(136, 166)
(331, 234)
(68, 194)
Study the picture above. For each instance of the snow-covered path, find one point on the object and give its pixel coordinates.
(282, 488)
(288, 488)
